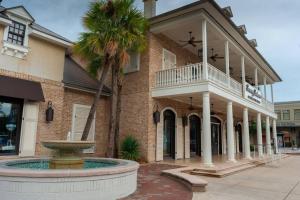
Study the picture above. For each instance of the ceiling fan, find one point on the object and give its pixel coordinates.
(216, 56)
(192, 41)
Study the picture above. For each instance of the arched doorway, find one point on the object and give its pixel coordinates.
(169, 134)
(195, 135)
(216, 137)
(240, 142)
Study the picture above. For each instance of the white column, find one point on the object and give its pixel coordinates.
(259, 135)
(246, 134)
(227, 67)
(204, 50)
(265, 87)
(272, 94)
(207, 155)
(275, 136)
(230, 133)
(256, 77)
(243, 74)
(268, 136)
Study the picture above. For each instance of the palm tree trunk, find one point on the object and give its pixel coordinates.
(118, 114)
(112, 127)
(107, 65)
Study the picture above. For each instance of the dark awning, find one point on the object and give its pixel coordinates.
(22, 89)
(76, 77)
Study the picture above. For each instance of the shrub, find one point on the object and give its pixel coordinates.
(130, 149)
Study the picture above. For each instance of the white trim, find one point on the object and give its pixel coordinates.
(49, 38)
(5, 22)
(14, 50)
(211, 87)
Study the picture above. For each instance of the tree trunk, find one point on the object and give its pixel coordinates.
(118, 114)
(113, 110)
(107, 65)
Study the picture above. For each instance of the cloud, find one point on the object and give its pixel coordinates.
(274, 23)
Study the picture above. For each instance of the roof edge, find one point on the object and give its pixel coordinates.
(213, 3)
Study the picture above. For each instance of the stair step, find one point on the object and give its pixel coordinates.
(222, 173)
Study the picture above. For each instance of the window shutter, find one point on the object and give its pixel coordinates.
(80, 115)
(29, 128)
(169, 59)
(134, 63)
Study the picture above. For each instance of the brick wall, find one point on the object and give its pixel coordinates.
(63, 100)
(138, 105)
(72, 97)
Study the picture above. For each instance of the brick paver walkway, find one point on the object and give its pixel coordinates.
(153, 186)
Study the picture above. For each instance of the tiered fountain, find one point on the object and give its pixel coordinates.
(67, 175)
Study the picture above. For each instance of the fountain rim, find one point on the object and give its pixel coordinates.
(123, 166)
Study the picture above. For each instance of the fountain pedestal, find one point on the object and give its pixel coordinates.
(67, 153)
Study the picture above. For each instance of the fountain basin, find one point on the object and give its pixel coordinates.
(67, 153)
(115, 180)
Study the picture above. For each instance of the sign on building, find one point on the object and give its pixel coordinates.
(253, 94)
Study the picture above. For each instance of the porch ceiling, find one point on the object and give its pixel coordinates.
(218, 106)
(179, 30)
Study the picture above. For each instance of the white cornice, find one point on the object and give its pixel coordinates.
(49, 38)
(5, 21)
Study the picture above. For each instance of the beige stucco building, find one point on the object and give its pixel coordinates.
(288, 123)
(35, 74)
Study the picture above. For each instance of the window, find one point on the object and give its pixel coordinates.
(278, 112)
(16, 33)
(286, 114)
(169, 59)
(297, 114)
(10, 125)
(134, 63)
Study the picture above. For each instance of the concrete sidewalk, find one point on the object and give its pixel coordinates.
(277, 181)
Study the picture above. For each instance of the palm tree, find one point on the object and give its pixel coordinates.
(113, 28)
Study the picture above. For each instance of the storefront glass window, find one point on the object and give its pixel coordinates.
(10, 123)
(278, 112)
(286, 114)
(297, 114)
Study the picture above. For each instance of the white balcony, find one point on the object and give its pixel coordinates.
(192, 74)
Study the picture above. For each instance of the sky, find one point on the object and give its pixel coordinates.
(275, 24)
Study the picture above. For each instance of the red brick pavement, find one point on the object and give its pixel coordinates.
(153, 186)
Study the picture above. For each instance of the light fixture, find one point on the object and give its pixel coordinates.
(49, 112)
(156, 116)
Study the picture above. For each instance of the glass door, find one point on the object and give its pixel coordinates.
(169, 134)
(10, 125)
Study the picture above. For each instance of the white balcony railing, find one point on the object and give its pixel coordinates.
(179, 76)
(217, 76)
(192, 73)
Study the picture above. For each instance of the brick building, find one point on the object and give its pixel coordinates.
(180, 99)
